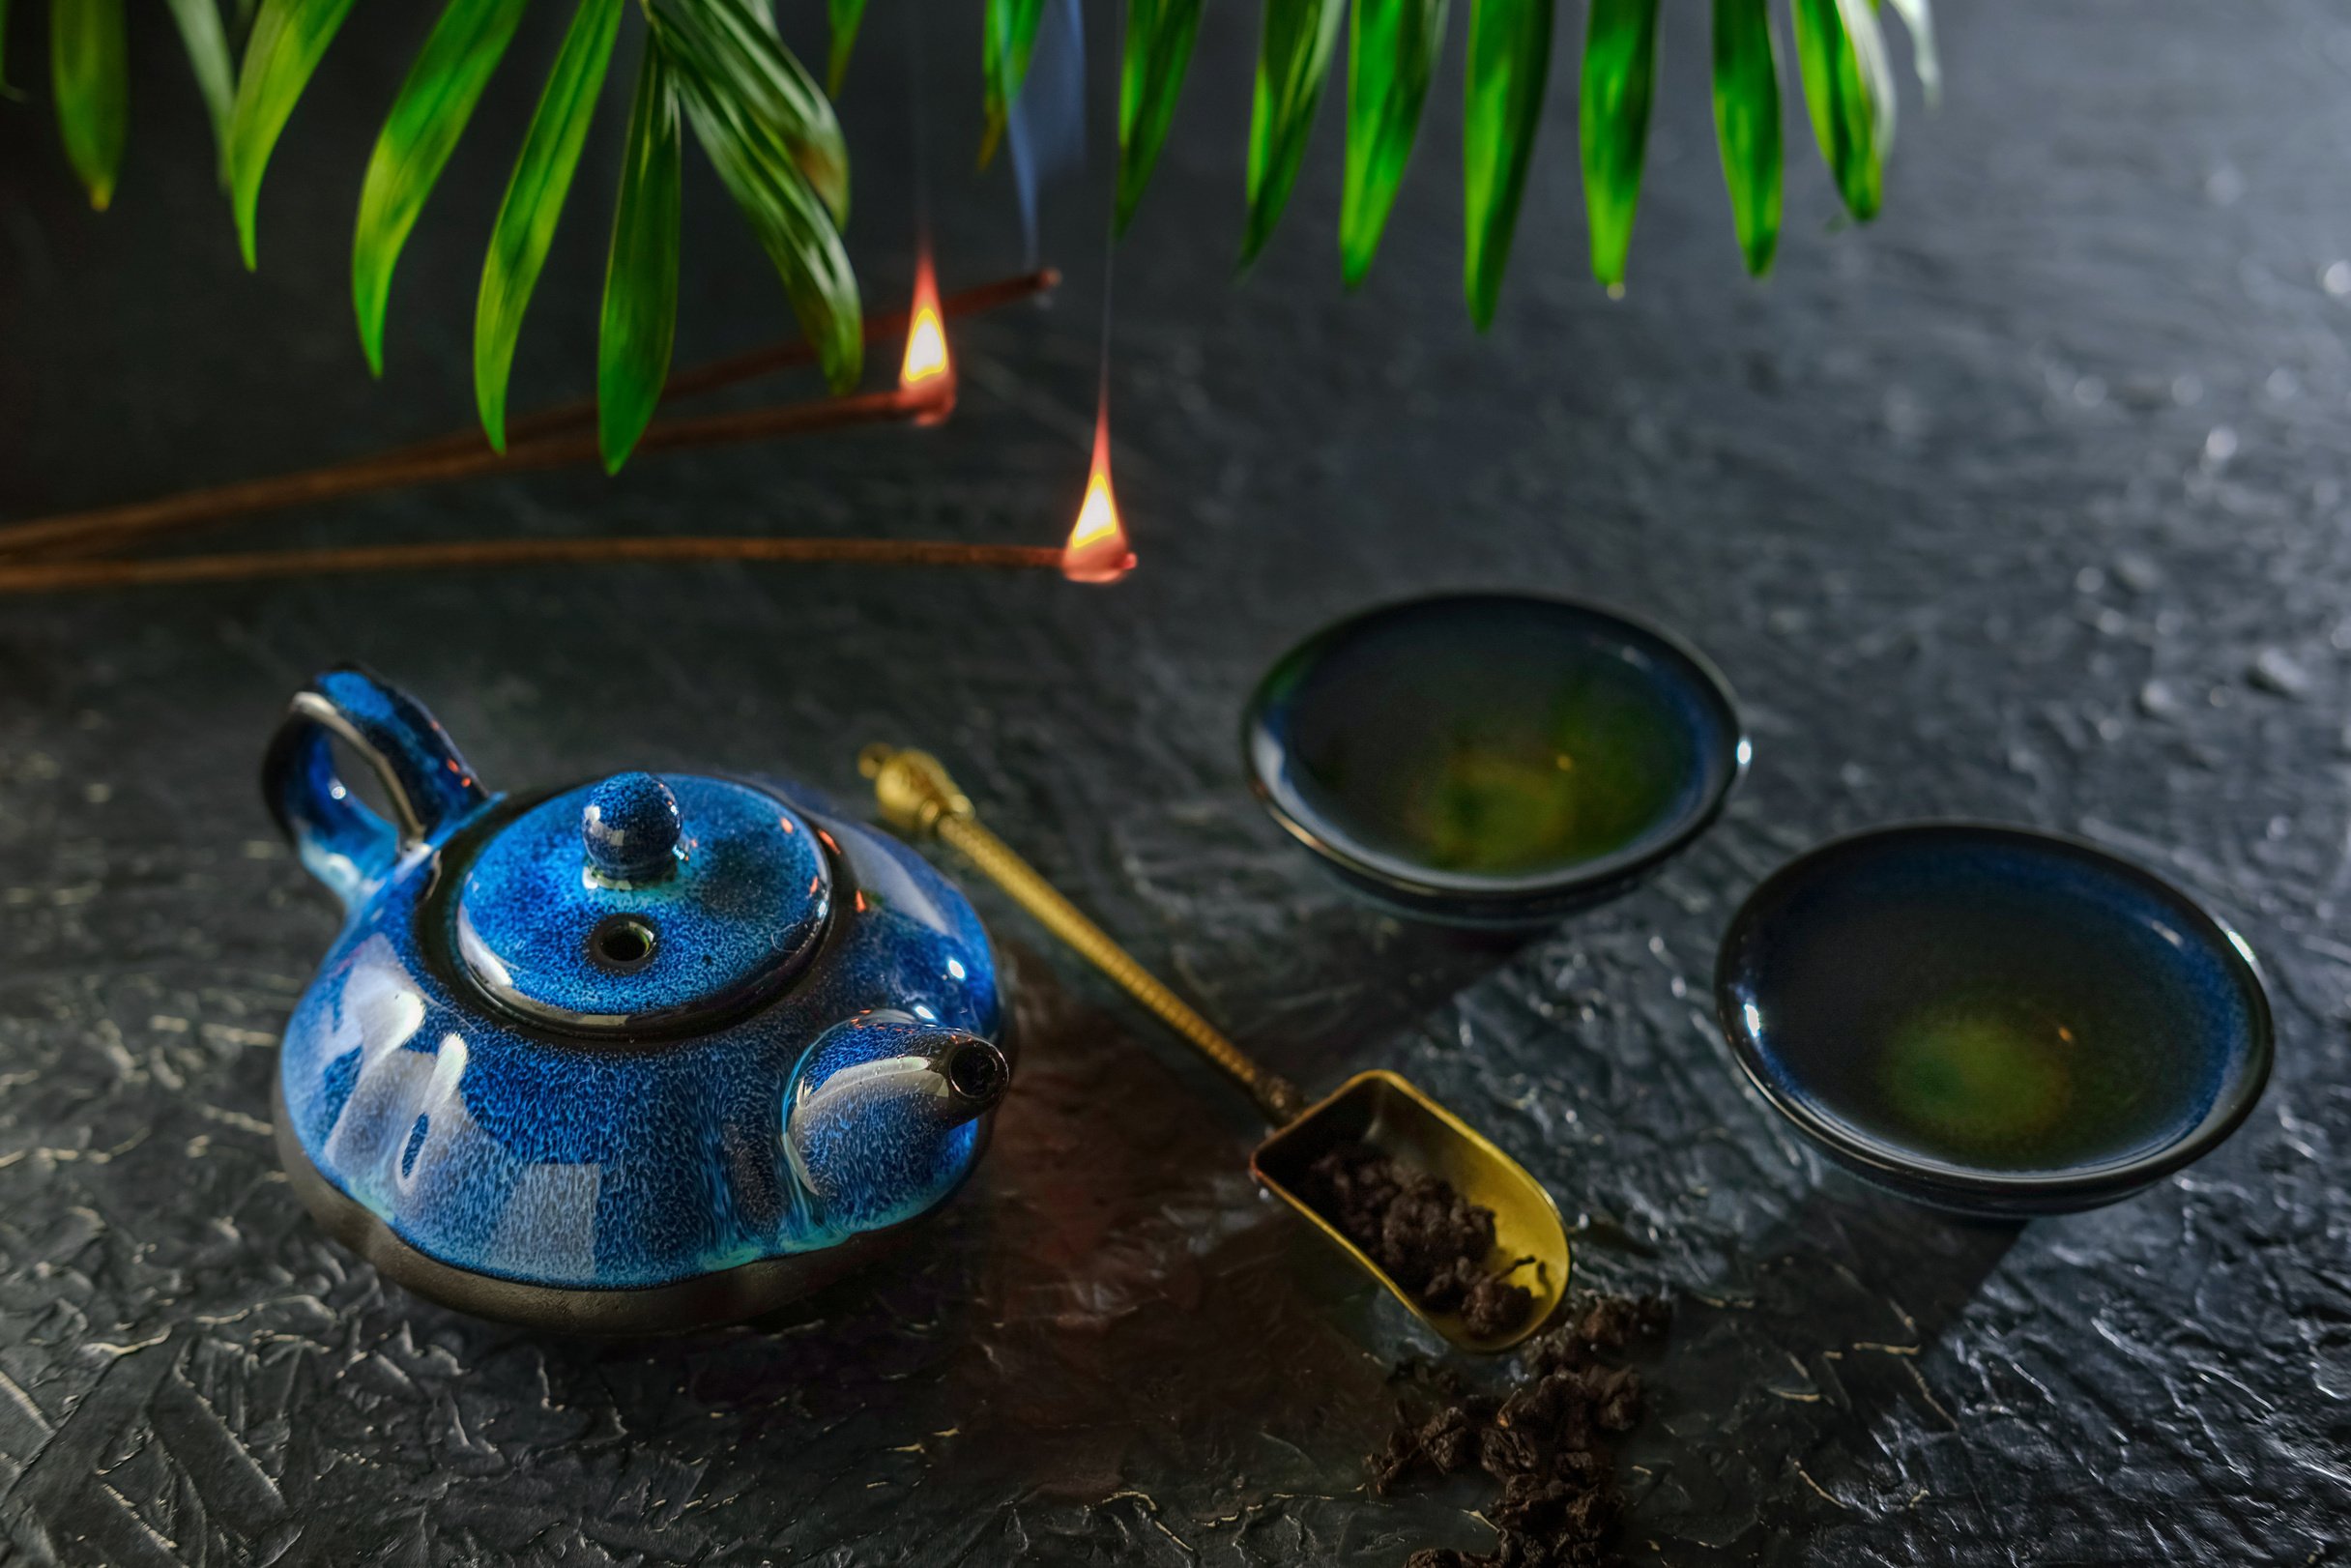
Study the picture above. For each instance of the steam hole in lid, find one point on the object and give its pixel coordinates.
(622, 942)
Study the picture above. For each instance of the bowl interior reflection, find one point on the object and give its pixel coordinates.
(1484, 745)
(1991, 1007)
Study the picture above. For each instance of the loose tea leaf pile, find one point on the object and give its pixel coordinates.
(1427, 1236)
(1547, 1440)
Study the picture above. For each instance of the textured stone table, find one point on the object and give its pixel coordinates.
(2025, 502)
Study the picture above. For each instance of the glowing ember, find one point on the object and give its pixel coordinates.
(928, 371)
(1098, 551)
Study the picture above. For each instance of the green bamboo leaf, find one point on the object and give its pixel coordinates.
(757, 165)
(1391, 50)
(731, 45)
(1160, 34)
(288, 39)
(1007, 35)
(1841, 56)
(1292, 59)
(421, 132)
(533, 203)
(844, 15)
(90, 70)
(1919, 17)
(1509, 65)
(1746, 124)
(207, 43)
(1620, 79)
(641, 275)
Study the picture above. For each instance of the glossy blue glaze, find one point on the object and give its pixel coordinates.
(892, 1067)
(1992, 1019)
(1493, 759)
(340, 841)
(742, 896)
(585, 1160)
(630, 827)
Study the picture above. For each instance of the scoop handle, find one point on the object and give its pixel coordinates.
(918, 798)
(341, 842)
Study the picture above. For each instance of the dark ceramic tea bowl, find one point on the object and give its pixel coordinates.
(1993, 1020)
(1493, 759)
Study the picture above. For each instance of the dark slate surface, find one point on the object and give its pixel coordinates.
(2026, 503)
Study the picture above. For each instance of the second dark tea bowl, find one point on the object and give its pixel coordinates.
(1992, 1020)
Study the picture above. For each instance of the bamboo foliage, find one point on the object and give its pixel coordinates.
(1159, 36)
(641, 273)
(1747, 125)
(1391, 52)
(90, 66)
(719, 69)
(1619, 73)
(1509, 68)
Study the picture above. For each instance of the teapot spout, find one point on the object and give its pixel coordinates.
(883, 1119)
(976, 1076)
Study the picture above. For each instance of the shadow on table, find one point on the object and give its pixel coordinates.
(1770, 1407)
(1106, 1322)
(1112, 1340)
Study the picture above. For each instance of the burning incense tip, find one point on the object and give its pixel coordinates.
(1098, 551)
(928, 371)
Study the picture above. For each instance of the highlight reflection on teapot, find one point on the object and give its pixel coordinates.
(642, 1055)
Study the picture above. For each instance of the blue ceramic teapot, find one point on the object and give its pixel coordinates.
(643, 1054)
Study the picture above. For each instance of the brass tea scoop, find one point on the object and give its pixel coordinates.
(1380, 1109)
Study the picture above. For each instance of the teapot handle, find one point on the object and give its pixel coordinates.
(341, 842)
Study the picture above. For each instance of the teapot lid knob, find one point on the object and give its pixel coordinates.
(630, 828)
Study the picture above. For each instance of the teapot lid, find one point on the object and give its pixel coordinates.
(643, 904)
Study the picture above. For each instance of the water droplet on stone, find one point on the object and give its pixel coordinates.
(2139, 573)
(2276, 670)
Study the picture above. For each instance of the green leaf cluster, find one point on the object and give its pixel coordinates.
(90, 81)
(719, 69)
(715, 66)
(1392, 51)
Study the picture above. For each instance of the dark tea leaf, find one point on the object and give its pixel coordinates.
(1619, 77)
(88, 68)
(535, 203)
(1159, 36)
(1509, 65)
(1008, 34)
(289, 37)
(1747, 125)
(1391, 50)
(641, 274)
(1294, 57)
(428, 117)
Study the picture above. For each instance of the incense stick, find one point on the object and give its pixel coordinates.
(552, 438)
(750, 365)
(50, 576)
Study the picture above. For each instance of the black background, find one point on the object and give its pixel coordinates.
(2025, 502)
